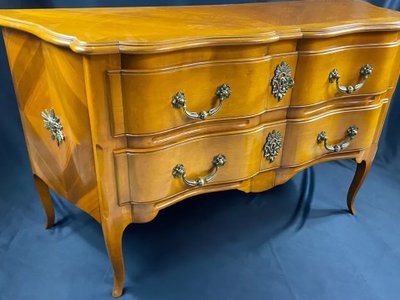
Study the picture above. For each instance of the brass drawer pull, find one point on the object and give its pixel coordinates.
(179, 171)
(365, 71)
(223, 92)
(350, 134)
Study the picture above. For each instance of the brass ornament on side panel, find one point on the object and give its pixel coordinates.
(53, 124)
(125, 136)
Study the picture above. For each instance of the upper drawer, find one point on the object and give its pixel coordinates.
(324, 75)
(141, 101)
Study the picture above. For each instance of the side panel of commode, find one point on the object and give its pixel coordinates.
(50, 77)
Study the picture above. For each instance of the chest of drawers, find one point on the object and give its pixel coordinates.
(129, 110)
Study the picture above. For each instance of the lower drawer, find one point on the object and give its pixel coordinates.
(150, 175)
(333, 132)
(145, 176)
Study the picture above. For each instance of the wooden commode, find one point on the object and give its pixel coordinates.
(127, 111)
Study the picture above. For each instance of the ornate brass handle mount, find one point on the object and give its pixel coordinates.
(351, 132)
(223, 92)
(179, 171)
(282, 80)
(365, 71)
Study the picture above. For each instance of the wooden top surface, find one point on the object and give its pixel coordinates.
(150, 29)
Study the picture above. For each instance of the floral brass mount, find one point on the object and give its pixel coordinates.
(282, 80)
(53, 124)
(273, 145)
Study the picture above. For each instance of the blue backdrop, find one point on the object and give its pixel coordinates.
(298, 242)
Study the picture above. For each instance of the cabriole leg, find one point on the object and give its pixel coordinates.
(359, 177)
(45, 198)
(113, 233)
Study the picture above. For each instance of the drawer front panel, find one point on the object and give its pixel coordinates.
(301, 141)
(141, 101)
(147, 176)
(313, 69)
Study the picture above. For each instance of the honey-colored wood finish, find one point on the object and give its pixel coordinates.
(302, 132)
(128, 88)
(133, 30)
(40, 74)
(161, 184)
(45, 198)
(361, 173)
(110, 74)
(318, 64)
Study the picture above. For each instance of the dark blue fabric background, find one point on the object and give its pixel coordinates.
(295, 241)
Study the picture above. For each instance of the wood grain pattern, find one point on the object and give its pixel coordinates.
(117, 30)
(243, 161)
(300, 148)
(122, 135)
(42, 78)
(319, 65)
(114, 218)
(301, 134)
(130, 89)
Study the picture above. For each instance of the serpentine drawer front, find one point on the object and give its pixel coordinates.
(182, 94)
(157, 180)
(127, 111)
(305, 134)
(357, 71)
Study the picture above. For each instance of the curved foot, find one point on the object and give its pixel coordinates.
(359, 177)
(113, 232)
(117, 291)
(45, 198)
